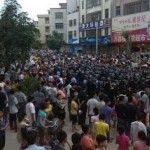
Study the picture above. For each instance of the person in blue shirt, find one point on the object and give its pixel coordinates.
(41, 122)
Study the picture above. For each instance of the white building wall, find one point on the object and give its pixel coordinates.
(73, 28)
(73, 14)
(82, 11)
(53, 21)
(41, 26)
(106, 5)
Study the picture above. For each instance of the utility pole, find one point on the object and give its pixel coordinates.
(96, 39)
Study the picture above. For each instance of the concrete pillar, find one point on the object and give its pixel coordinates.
(113, 9)
(121, 7)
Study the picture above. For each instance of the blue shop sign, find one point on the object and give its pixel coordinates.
(73, 41)
(97, 24)
(92, 40)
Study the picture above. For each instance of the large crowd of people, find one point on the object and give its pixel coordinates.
(97, 93)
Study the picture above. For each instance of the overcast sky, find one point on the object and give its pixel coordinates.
(34, 7)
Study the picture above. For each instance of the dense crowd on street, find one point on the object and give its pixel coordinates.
(97, 93)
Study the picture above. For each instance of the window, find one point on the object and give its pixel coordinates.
(107, 13)
(106, 31)
(46, 20)
(117, 10)
(46, 37)
(146, 5)
(96, 2)
(70, 23)
(58, 15)
(70, 34)
(136, 7)
(93, 17)
(83, 34)
(92, 33)
(82, 4)
(92, 3)
(75, 33)
(75, 22)
(46, 29)
(58, 25)
(83, 19)
(89, 4)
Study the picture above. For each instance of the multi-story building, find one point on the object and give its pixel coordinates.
(95, 23)
(55, 20)
(73, 26)
(44, 27)
(127, 7)
(58, 19)
(133, 18)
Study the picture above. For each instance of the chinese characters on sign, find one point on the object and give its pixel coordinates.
(133, 26)
(135, 19)
(92, 25)
(135, 37)
(132, 22)
(137, 25)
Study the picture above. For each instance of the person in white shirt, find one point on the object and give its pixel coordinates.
(91, 104)
(30, 110)
(21, 76)
(137, 126)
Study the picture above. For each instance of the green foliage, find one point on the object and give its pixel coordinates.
(29, 85)
(55, 41)
(17, 33)
(125, 34)
(36, 44)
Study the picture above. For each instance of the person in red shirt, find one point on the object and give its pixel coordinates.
(86, 142)
(122, 139)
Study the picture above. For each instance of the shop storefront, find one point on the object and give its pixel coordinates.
(95, 34)
(74, 46)
(138, 28)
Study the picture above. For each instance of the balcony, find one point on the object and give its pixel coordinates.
(94, 9)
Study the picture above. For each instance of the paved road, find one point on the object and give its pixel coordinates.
(12, 144)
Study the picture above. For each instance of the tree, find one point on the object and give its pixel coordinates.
(29, 85)
(127, 37)
(55, 41)
(36, 44)
(17, 33)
